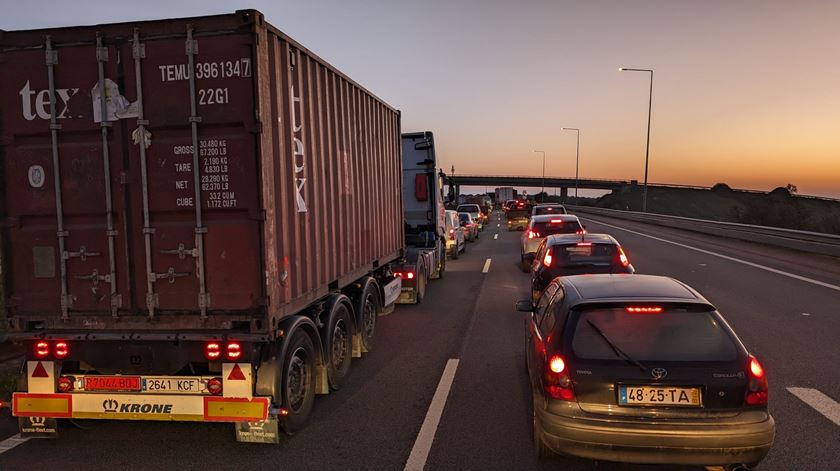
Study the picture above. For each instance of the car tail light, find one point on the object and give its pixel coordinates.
(644, 309)
(547, 259)
(233, 351)
(581, 232)
(65, 383)
(584, 244)
(41, 349)
(555, 221)
(757, 389)
(622, 257)
(532, 234)
(558, 385)
(212, 350)
(405, 275)
(214, 386)
(61, 349)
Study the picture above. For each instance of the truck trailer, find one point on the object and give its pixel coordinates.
(200, 218)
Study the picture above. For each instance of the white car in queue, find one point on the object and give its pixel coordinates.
(455, 242)
(542, 226)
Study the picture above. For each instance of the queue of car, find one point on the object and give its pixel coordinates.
(629, 367)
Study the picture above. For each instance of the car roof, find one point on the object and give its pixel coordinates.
(561, 239)
(540, 205)
(468, 204)
(626, 287)
(548, 217)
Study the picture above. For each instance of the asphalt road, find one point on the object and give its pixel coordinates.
(485, 422)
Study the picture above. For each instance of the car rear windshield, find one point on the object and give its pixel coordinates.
(549, 210)
(518, 213)
(465, 217)
(674, 334)
(580, 255)
(545, 229)
(468, 208)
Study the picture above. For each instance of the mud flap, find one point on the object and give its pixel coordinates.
(38, 427)
(266, 431)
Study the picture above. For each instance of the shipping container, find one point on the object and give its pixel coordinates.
(190, 179)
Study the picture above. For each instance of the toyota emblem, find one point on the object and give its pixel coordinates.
(659, 373)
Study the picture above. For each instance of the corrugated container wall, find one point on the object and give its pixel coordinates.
(235, 178)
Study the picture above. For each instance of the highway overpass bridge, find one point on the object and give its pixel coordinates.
(564, 183)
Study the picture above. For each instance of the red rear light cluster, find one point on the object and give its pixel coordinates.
(547, 259)
(405, 275)
(622, 257)
(65, 384)
(60, 349)
(532, 234)
(757, 388)
(558, 385)
(213, 350)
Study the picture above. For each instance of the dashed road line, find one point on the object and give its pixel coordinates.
(495, 236)
(423, 443)
(819, 401)
(11, 442)
(486, 265)
(727, 257)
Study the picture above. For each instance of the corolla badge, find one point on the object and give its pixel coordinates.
(659, 373)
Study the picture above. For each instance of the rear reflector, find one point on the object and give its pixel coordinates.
(214, 386)
(65, 384)
(235, 409)
(644, 309)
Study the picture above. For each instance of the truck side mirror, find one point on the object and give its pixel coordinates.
(524, 306)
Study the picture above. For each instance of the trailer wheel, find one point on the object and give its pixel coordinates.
(298, 381)
(338, 344)
(367, 308)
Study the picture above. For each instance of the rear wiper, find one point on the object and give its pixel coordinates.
(615, 348)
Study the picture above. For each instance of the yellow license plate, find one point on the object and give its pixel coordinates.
(658, 396)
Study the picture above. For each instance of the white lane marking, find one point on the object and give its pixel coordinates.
(806, 313)
(727, 257)
(819, 401)
(486, 265)
(11, 442)
(498, 225)
(423, 443)
(495, 236)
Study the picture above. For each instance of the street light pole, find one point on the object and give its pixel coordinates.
(647, 148)
(577, 158)
(543, 176)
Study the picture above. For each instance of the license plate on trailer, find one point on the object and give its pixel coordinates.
(658, 396)
(112, 383)
(173, 385)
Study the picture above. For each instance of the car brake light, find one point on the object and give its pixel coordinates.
(547, 258)
(61, 349)
(41, 349)
(581, 232)
(558, 385)
(757, 389)
(65, 384)
(233, 351)
(623, 257)
(644, 309)
(214, 386)
(212, 350)
(532, 234)
(556, 221)
(584, 244)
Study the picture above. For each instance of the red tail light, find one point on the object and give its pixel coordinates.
(61, 349)
(757, 389)
(547, 259)
(558, 385)
(212, 350)
(405, 275)
(65, 383)
(532, 234)
(41, 349)
(214, 386)
(644, 309)
(580, 232)
(622, 257)
(233, 351)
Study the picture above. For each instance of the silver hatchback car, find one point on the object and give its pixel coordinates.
(540, 227)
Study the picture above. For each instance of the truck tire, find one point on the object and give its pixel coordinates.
(367, 308)
(337, 337)
(298, 392)
(421, 284)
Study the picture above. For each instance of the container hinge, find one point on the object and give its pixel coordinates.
(83, 254)
(191, 47)
(52, 57)
(148, 230)
(204, 301)
(102, 54)
(170, 275)
(116, 303)
(181, 252)
(152, 301)
(138, 51)
(201, 230)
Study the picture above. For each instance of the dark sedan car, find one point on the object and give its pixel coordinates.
(642, 369)
(571, 254)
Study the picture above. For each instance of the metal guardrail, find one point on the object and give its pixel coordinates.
(806, 241)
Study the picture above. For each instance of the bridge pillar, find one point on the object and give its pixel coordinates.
(564, 194)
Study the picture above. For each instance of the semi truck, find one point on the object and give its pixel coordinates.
(504, 194)
(425, 228)
(200, 218)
